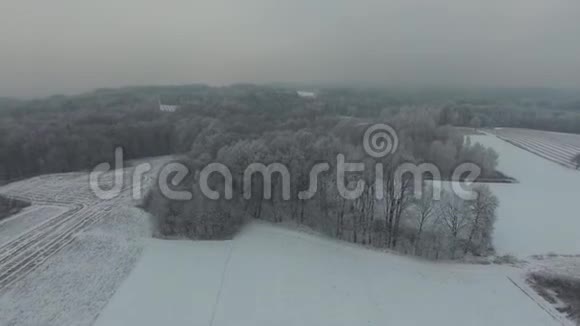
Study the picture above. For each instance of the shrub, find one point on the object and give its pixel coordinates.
(199, 218)
(505, 259)
(10, 206)
(558, 288)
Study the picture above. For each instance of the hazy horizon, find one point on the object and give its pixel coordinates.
(68, 47)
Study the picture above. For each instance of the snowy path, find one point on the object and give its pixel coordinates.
(538, 215)
(281, 277)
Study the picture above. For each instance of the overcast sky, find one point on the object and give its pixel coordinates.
(64, 46)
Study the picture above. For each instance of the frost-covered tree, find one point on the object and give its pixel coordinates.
(482, 212)
(455, 217)
(423, 210)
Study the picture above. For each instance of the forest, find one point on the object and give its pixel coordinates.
(449, 228)
(69, 133)
(240, 124)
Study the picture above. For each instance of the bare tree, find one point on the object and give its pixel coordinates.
(424, 208)
(455, 217)
(482, 211)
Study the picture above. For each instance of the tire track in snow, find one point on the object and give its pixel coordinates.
(26, 261)
(22, 255)
(222, 281)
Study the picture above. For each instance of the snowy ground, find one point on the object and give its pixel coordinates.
(539, 215)
(68, 274)
(77, 282)
(29, 217)
(272, 276)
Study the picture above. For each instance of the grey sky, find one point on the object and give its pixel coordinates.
(73, 45)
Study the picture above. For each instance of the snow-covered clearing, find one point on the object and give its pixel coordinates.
(538, 215)
(272, 276)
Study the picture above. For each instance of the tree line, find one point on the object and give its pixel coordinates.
(68, 133)
(514, 116)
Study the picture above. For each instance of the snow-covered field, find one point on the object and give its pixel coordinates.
(75, 284)
(272, 276)
(63, 258)
(29, 217)
(557, 147)
(538, 215)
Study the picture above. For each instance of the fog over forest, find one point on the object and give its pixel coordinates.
(67, 46)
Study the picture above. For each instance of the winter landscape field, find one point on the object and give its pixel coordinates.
(271, 276)
(92, 261)
(289, 163)
(259, 263)
(64, 256)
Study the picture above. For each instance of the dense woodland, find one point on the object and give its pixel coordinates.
(68, 133)
(242, 124)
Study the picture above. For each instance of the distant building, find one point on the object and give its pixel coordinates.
(306, 94)
(167, 108)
